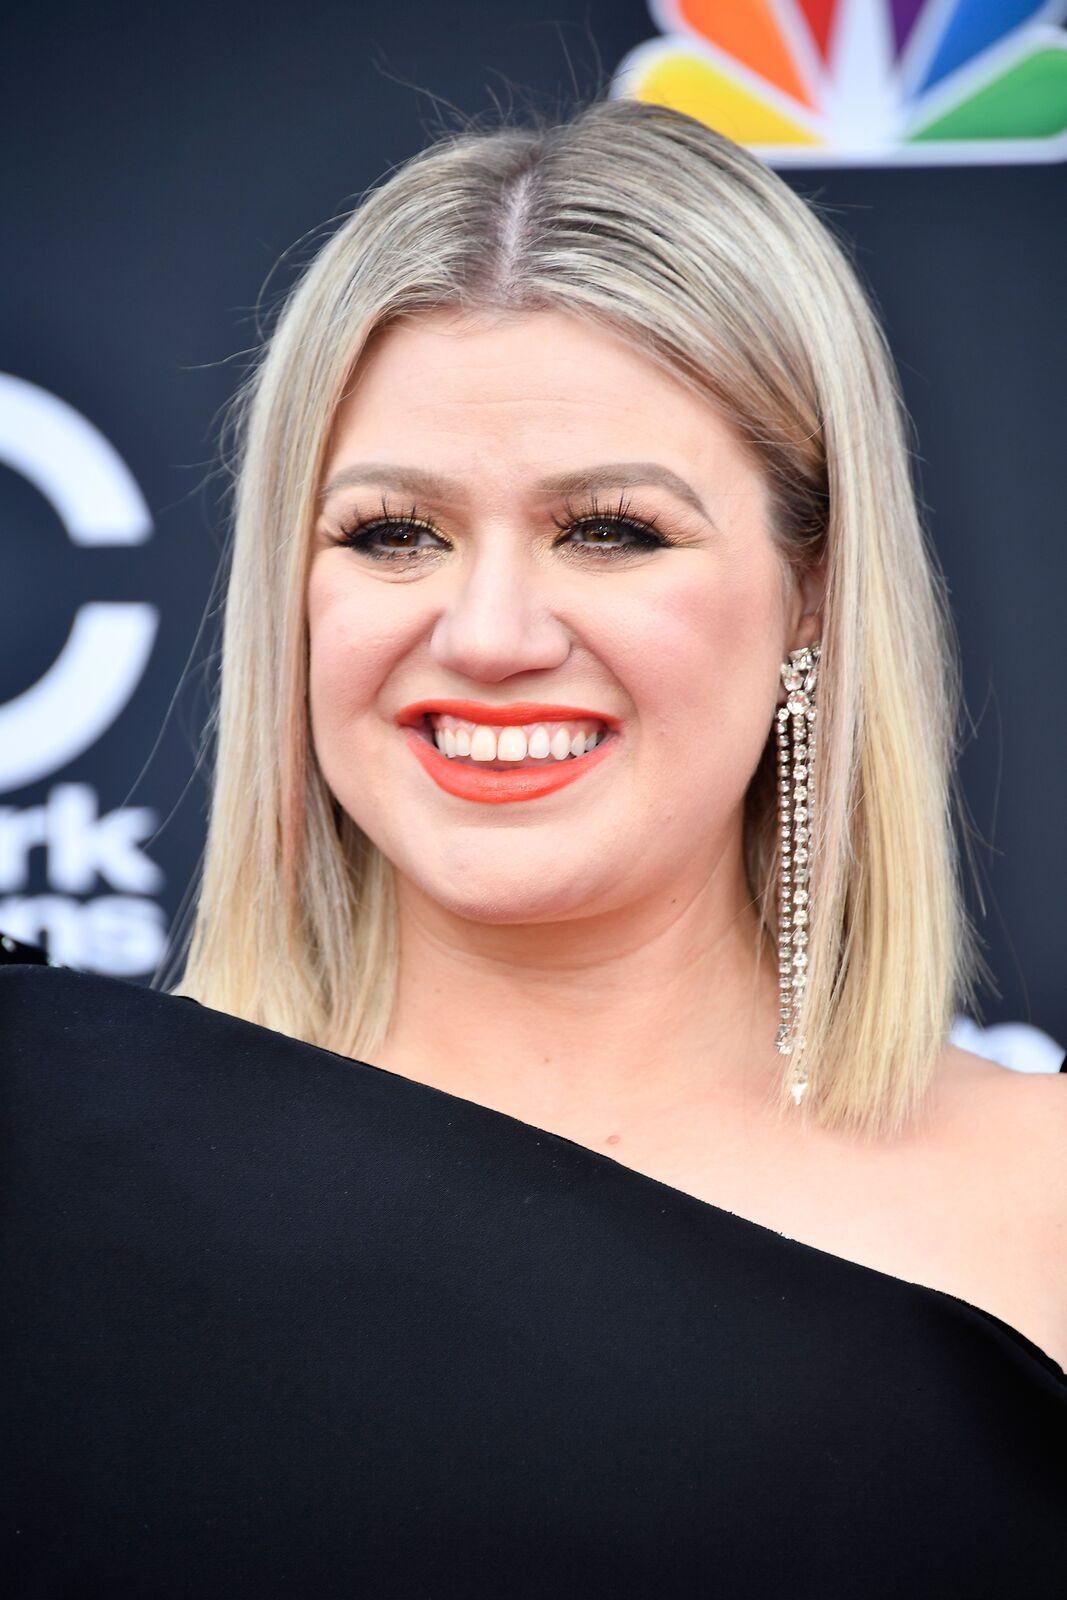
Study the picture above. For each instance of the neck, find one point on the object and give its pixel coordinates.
(610, 1015)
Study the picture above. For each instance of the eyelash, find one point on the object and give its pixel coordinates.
(359, 534)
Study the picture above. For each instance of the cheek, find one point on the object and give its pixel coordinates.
(705, 694)
(706, 654)
(352, 642)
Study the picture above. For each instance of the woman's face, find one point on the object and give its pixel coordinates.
(504, 447)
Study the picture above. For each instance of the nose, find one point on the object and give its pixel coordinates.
(499, 621)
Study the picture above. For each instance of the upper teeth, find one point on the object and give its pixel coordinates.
(455, 736)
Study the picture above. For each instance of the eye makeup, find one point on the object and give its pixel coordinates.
(369, 536)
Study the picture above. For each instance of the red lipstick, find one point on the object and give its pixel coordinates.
(495, 787)
(513, 715)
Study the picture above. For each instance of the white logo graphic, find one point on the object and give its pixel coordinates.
(1018, 1045)
(122, 933)
(93, 493)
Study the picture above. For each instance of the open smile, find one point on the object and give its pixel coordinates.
(495, 754)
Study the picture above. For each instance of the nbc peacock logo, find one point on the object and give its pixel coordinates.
(862, 82)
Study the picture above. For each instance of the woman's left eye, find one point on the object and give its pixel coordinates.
(607, 531)
(607, 526)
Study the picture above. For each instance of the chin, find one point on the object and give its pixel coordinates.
(523, 897)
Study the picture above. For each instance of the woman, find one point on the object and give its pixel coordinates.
(563, 1185)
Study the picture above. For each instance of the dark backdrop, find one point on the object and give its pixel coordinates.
(159, 160)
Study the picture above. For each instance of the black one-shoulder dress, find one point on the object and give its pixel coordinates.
(280, 1323)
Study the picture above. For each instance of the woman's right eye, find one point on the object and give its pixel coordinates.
(389, 538)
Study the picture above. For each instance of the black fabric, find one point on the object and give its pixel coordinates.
(14, 953)
(278, 1323)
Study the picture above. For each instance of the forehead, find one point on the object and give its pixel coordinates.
(536, 386)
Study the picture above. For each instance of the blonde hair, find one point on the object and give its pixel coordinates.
(653, 225)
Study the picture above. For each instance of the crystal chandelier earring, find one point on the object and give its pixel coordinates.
(795, 733)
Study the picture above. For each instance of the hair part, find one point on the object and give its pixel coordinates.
(663, 231)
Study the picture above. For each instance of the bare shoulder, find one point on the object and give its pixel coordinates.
(1001, 1138)
(1013, 1128)
(966, 1076)
(1001, 1105)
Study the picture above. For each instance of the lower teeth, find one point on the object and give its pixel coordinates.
(510, 766)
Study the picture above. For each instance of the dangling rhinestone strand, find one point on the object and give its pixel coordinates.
(795, 724)
(785, 884)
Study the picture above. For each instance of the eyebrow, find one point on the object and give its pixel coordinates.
(584, 480)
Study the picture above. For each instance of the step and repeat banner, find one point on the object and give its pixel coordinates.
(167, 169)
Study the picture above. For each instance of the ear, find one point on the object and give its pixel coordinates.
(806, 603)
